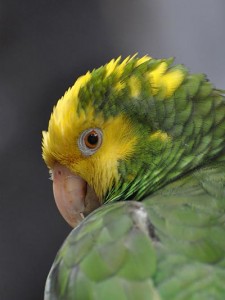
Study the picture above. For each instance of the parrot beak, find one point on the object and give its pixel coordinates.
(74, 198)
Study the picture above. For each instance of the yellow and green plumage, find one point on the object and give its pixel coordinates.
(163, 143)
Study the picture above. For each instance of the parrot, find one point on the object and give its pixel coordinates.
(136, 153)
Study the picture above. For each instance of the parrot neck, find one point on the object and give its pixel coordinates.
(187, 133)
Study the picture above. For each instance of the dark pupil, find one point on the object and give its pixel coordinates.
(92, 139)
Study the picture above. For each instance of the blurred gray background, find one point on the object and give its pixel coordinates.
(44, 47)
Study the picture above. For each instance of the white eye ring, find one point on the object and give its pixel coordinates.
(90, 141)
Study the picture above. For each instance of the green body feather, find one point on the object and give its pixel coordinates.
(171, 245)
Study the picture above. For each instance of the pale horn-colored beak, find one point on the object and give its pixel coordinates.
(73, 196)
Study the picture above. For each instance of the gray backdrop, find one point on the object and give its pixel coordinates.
(44, 46)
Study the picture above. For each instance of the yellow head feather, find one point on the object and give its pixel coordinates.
(84, 106)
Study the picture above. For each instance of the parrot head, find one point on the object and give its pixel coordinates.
(104, 141)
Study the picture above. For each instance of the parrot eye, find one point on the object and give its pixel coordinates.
(90, 141)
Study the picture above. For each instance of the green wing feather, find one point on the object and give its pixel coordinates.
(109, 256)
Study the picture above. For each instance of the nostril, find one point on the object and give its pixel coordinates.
(59, 172)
